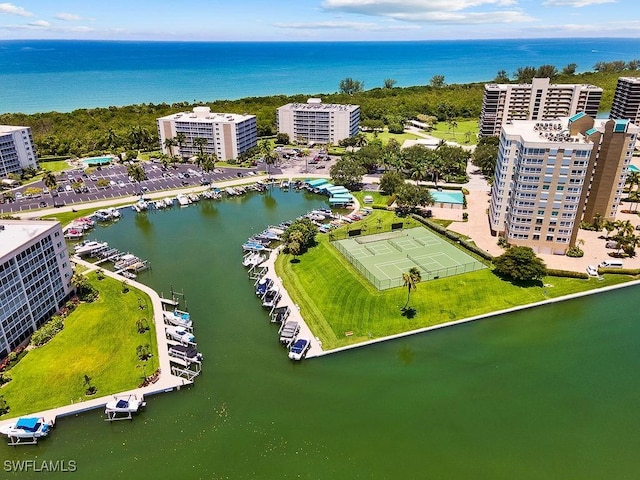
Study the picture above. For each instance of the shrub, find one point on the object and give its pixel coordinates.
(4, 408)
(566, 273)
(47, 331)
(620, 271)
(4, 378)
(391, 200)
(465, 216)
(575, 252)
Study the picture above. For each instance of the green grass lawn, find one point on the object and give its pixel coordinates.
(67, 217)
(334, 298)
(385, 136)
(55, 166)
(442, 130)
(378, 198)
(99, 340)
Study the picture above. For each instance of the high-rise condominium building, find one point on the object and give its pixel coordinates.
(317, 122)
(538, 100)
(227, 135)
(35, 278)
(552, 175)
(626, 100)
(16, 150)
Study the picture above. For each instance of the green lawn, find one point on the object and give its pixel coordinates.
(99, 340)
(334, 298)
(55, 166)
(378, 198)
(442, 130)
(67, 217)
(385, 136)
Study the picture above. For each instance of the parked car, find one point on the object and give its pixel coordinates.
(42, 204)
(121, 184)
(68, 188)
(592, 270)
(18, 196)
(205, 182)
(611, 245)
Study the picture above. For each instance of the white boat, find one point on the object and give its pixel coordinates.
(122, 407)
(87, 247)
(27, 430)
(72, 234)
(299, 349)
(178, 318)
(179, 334)
(114, 212)
(183, 200)
(194, 197)
(231, 191)
(168, 202)
(102, 216)
(253, 259)
(184, 354)
(159, 204)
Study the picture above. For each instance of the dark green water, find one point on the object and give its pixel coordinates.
(549, 393)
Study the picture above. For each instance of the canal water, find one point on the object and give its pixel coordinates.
(549, 393)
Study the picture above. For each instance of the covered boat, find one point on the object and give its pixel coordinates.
(27, 430)
(122, 407)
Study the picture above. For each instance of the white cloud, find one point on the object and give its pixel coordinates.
(434, 11)
(335, 25)
(39, 23)
(11, 9)
(68, 17)
(575, 3)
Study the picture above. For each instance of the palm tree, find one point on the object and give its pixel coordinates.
(49, 180)
(452, 124)
(137, 173)
(111, 139)
(200, 143)
(410, 280)
(209, 162)
(181, 138)
(169, 143)
(633, 180)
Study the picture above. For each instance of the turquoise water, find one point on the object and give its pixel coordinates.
(549, 393)
(46, 75)
(446, 196)
(97, 160)
(633, 168)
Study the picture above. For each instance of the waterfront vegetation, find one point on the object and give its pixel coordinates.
(342, 308)
(117, 129)
(98, 341)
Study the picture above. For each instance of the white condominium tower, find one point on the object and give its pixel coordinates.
(228, 135)
(317, 122)
(35, 278)
(16, 150)
(552, 175)
(538, 100)
(626, 100)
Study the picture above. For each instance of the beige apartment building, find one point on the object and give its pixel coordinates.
(317, 122)
(626, 100)
(35, 278)
(539, 100)
(228, 135)
(552, 175)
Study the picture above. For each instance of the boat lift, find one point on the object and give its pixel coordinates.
(121, 413)
(257, 273)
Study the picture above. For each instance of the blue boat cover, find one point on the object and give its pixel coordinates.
(122, 404)
(28, 423)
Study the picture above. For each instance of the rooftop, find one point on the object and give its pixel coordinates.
(205, 115)
(10, 128)
(327, 107)
(15, 233)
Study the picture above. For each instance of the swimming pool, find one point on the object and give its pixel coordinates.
(447, 196)
(633, 168)
(94, 161)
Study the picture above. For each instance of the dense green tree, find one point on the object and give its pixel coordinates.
(437, 81)
(410, 197)
(570, 69)
(136, 173)
(520, 263)
(350, 86)
(485, 155)
(303, 231)
(348, 172)
(524, 74)
(391, 181)
(49, 180)
(547, 71)
(389, 83)
(282, 139)
(501, 77)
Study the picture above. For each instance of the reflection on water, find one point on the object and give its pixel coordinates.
(546, 393)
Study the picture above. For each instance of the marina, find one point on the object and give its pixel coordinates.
(534, 358)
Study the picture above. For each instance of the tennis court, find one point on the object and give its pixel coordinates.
(384, 257)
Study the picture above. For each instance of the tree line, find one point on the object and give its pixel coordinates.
(117, 129)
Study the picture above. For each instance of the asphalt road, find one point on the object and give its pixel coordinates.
(157, 180)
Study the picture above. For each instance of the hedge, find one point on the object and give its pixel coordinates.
(47, 331)
(566, 273)
(621, 271)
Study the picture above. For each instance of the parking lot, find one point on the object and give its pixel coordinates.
(158, 179)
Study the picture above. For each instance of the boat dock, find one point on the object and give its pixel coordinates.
(165, 381)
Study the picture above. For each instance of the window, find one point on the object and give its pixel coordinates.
(549, 238)
(545, 187)
(559, 188)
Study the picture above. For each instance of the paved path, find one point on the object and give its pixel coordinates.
(166, 381)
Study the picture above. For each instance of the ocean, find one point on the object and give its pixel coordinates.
(57, 75)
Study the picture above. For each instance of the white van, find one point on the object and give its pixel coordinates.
(611, 264)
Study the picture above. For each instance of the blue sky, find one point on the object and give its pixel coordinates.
(289, 20)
